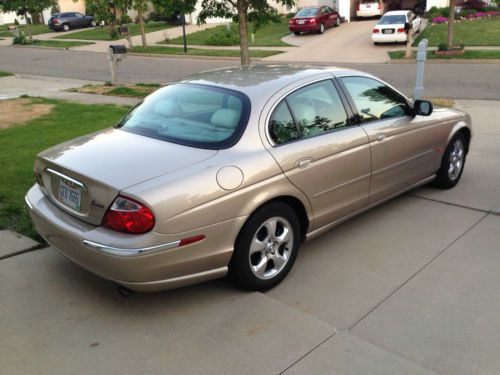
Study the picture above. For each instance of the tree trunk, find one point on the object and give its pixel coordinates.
(141, 26)
(28, 25)
(242, 18)
(409, 42)
(451, 21)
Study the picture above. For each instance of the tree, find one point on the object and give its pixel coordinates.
(451, 21)
(26, 8)
(108, 11)
(141, 6)
(259, 12)
(169, 8)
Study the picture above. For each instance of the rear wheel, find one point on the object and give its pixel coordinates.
(93, 23)
(266, 247)
(452, 165)
(65, 27)
(321, 28)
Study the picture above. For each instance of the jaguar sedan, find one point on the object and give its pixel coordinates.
(228, 172)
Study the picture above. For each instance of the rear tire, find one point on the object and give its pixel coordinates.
(452, 165)
(337, 22)
(266, 247)
(321, 28)
(93, 24)
(65, 27)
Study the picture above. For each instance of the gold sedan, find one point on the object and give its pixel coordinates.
(231, 170)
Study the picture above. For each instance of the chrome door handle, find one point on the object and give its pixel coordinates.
(380, 137)
(303, 163)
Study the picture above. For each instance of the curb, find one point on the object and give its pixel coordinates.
(165, 55)
(447, 61)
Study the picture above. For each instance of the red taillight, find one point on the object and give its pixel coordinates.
(401, 30)
(312, 20)
(291, 21)
(357, 8)
(128, 216)
(376, 31)
(379, 5)
(55, 21)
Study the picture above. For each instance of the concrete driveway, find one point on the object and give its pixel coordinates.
(348, 43)
(411, 287)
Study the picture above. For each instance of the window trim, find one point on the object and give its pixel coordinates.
(356, 115)
(348, 111)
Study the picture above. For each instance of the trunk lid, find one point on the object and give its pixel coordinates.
(84, 176)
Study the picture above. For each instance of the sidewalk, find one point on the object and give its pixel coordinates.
(55, 88)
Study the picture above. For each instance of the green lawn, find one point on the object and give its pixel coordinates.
(138, 90)
(35, 29)
(468, 33)
(201, 52)
(5, 74)
(269, 35)
(21, 143)
(59, 43)
(485, 55)
(103, 33)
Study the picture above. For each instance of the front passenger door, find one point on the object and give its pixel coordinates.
(404, 147)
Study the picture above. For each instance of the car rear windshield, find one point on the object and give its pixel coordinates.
(390, 20)
(191, 114)
(307, 12)
(368, 1)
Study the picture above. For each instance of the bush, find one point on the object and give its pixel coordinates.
(21, 39)
(223, 36)
(125, 18)
(477, 5)
(16, 22)
(443, 47)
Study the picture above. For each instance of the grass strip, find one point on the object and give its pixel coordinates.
(99, 33)
(201, 52)
(468, 55)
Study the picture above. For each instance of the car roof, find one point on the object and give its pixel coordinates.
(259, 81)
(397, 13)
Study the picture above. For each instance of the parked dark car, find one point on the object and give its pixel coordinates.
(314, 19)
(70, 20)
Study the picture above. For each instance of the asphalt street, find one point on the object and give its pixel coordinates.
(459, 81)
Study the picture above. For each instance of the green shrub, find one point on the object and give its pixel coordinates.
(224, 36)
(16, 22)
(443, 47)
(125, 18)
(21, 39)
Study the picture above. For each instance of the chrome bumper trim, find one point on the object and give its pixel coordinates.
(28, 203)
(130, 252)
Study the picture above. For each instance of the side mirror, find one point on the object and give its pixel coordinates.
(407, 27)
(422, 108)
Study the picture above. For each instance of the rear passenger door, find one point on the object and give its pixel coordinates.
(321, 151)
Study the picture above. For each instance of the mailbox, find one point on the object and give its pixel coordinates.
(118, 49)
(123, 30)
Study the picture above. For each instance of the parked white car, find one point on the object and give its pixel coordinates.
(369, 8)
(391, 27)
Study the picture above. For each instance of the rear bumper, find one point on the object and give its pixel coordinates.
(148, 262)
(303, 28)
(388, 38)
(369, 12)
(55, 27)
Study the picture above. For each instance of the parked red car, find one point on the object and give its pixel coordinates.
(314, 19)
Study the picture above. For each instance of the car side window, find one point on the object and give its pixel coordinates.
(317, 108)
(374, 100)
(282, 128)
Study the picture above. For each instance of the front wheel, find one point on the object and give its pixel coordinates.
(337, 22)
(93, 24)
(452, 165)
(266, 247)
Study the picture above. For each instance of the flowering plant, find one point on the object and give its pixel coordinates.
(440, 20)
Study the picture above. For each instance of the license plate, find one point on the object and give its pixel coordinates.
(300, 22)
(368, 6)
(388, 31)
(69, 196)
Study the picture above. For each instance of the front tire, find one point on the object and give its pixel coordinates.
(337, 22)
(266, 247)
(93, 24)
(452, 165)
